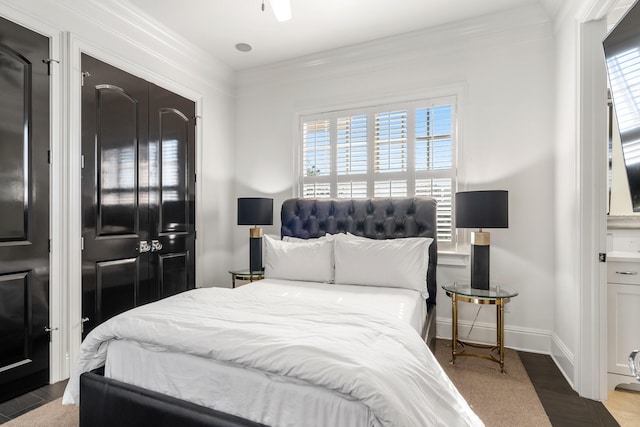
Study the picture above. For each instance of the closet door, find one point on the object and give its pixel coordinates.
(24, 210)
(171, 192)
(138, 192)
(115, 192)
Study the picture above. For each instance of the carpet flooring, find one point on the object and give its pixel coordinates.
(500, 400)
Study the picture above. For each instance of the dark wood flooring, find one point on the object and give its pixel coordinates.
(22, 404)
(563, 405)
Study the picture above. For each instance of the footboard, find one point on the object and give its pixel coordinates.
(107, 402)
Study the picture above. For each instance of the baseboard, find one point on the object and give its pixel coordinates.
(563, 358)
(625, 381)
(521, 339)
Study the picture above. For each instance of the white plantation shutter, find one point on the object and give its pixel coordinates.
(441, 190)
(396, 150)
(351, 156)
(351, 145)
(434, 158)
(318, 190)
(352, 190)
(434, 150)
(317, 148)
(391, 188)
(391, 141)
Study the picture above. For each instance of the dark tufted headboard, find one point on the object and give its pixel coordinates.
(389, 218)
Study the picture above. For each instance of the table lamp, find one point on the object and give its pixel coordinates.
(255, 211)
(481, 209)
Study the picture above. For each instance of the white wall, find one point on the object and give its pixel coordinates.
(111, 31)
(501, 67)
(579, 338)
(566, 205)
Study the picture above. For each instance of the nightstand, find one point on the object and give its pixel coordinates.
(497, 296)
(247, 274)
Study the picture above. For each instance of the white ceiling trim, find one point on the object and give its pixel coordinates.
(595, 10)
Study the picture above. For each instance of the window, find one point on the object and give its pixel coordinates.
(394, 150)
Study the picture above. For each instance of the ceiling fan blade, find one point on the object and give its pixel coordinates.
(282, 9)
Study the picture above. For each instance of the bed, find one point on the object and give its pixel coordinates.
(315, 352)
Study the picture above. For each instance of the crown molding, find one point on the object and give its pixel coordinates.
(123, 20)
(515, 26)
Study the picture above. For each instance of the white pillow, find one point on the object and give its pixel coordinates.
(306, 261)
(315, 239)
(395, 263)
(349, 236)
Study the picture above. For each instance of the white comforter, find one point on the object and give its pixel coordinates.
(353, 350)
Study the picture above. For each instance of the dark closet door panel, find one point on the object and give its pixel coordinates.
(116, 286)
(14, 149)
(114, 191)
(16, 320)
(173, 176)
(117, 142)
(24, 210)
(172, 190)
(174, 273)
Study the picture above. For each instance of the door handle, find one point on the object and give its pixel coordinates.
(155, 246)
(144, 246)
(84, 319)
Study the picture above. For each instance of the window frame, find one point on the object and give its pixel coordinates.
(451, 97)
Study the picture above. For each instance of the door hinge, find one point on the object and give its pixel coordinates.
(49, 246)
(82, 161)
(195, 235)
(83, 75)
(49, 156)
(602, 257)
(82, 243)
(195, 177)
(48, 61)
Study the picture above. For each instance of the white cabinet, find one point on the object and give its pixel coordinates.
(623, 319)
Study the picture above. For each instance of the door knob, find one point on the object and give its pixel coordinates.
(144, 246)
(84, 319)
(155, 245)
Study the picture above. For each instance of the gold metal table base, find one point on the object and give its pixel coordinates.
(491, 355)
(251, 277)
(499, 347)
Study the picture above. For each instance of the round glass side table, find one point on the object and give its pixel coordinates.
(495, 295)
(245, 274)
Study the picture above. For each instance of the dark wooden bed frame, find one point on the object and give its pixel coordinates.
(108, 402)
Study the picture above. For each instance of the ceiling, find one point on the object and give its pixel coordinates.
(317, 25)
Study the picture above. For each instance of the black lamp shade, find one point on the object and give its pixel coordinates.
(255, 211)
(482, 209)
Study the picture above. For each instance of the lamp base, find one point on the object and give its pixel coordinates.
(480, 260)
(255, 249)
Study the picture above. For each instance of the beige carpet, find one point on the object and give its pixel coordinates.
(499, 400)
(53, 414)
